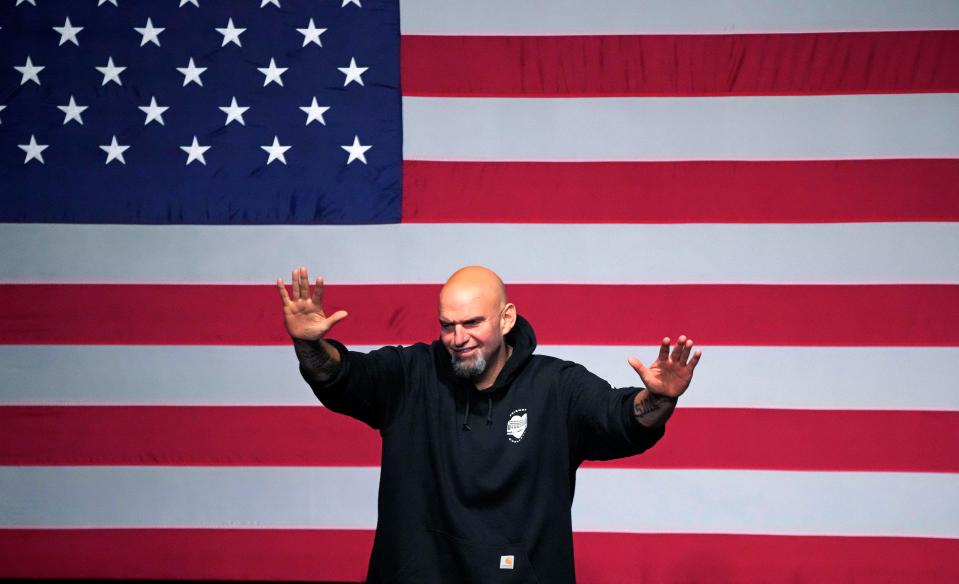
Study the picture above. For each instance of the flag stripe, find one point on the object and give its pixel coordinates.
(860, 315)
(685, 65)
(235, 554)
(689, 128)
(313, 436)
(704, 191)
(868, 253)
(843, 378)
(565, 17)
(341, 555)
(799, 503)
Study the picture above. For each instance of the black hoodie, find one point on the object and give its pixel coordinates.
(476, 486)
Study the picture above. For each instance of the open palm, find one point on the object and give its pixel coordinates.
(302, 311)
(669, 375)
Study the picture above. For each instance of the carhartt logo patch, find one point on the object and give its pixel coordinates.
(506, 562)
(516, 427)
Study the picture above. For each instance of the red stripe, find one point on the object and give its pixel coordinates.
(824, 440)
(682, 557)
(308, 554)
(185, 436)
(718, 192)
(684, 65)
(813, 315)
(177, 554)
(888, 441)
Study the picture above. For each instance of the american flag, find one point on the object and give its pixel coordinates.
(778, 180)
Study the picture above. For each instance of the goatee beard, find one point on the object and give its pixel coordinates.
(468, 369)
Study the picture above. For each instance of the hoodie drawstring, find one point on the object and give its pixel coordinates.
(489, 413)
(466, 418)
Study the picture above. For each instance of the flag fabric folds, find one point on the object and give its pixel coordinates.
(781, 183)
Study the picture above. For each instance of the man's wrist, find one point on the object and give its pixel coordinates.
(319, 358)
(652, 409)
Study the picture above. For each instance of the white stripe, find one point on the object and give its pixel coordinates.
(692, 128)
(691, 501)
(423, 253)
(574, 17)
(767, 502)
(848, 378)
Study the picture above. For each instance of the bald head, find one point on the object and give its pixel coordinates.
(475, 317)
(475, 282)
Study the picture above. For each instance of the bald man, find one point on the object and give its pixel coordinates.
(481, 438)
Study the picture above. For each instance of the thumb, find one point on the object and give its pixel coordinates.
(637, 365)
(335, 318)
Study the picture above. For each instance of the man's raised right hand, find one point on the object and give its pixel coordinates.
(303, 312)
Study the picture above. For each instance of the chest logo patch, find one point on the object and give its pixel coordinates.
(516, 426)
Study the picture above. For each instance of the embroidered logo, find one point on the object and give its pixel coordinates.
(506, 562)
(516, 427)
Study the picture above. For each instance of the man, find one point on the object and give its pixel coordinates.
(481, 438)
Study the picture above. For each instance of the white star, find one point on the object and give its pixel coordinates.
(111, 72)
(195, 152)
(357, 151)
(32, 2)
(72, 111)
(33, 150)
(311, 34)
(102, 2)
(154, 112)
(30, 71)
(353, 73)
(231, 34)
(150, 33)
(68, 32)
(193, 2)
(276, 151)
(234, 112)
(2, 107)
(274, 2)
(315, 112)
(345, 2)
(114, 151)
(272, 73)
(191, 73)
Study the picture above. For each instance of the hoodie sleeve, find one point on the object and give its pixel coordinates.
(367, 386)
(602, 424)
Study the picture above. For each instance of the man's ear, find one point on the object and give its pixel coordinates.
(508, 318)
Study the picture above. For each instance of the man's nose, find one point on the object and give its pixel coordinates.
(459, 335)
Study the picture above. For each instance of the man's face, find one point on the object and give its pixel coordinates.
(470, 328)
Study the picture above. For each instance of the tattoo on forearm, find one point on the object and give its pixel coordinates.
(316, 359)
(652, 409)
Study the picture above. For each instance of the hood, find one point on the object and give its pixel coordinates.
(521, 339)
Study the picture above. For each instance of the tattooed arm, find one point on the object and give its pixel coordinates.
(307, 323)
(319, 359)
(653, 410)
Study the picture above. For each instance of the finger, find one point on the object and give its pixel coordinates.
(678, 349)
(664, 350)
(695, 360)
(318, 292)
(282, 288)
(304, 283)
(296, 283)
(335, 318)
(637, 366)
(687, 349)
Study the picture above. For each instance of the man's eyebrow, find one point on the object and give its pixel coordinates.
(470, 319)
